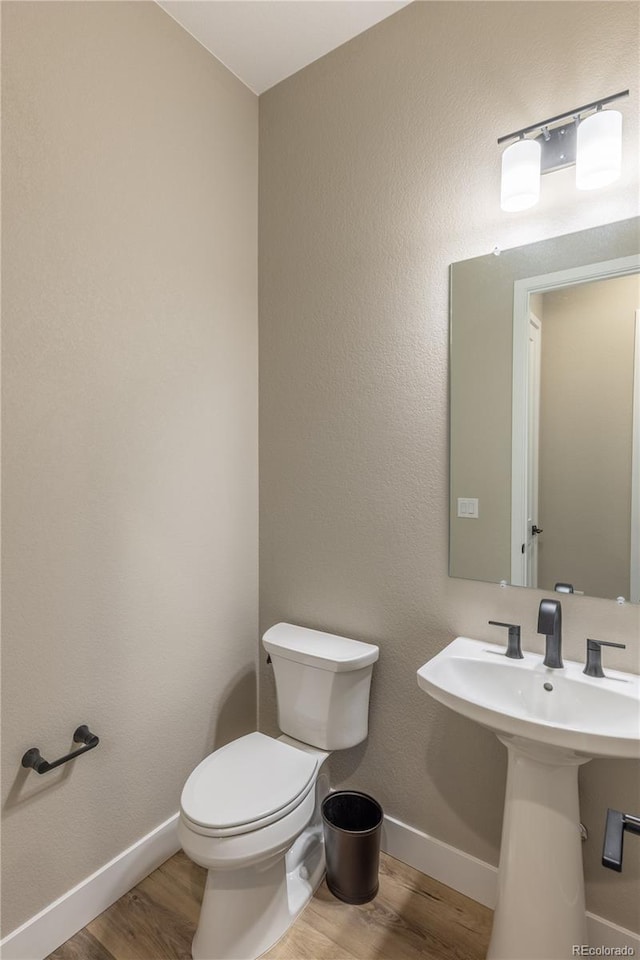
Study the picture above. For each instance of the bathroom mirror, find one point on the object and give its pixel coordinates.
(545, 414)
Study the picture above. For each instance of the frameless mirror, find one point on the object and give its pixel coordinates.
(545, 414)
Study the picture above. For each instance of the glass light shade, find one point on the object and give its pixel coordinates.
(520, 186)
(599, 150)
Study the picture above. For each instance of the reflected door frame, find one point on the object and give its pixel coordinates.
(530, 542)
(635, 472)
(520, 409)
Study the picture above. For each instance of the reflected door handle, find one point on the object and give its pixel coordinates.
(536, 530)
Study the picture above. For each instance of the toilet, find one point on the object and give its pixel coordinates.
(250, 812)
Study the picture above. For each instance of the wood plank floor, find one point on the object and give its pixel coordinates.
(412, 918)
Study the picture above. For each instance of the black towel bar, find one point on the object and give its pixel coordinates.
(33, 757)
(616, 824)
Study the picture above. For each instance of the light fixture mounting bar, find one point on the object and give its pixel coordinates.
(564, 116)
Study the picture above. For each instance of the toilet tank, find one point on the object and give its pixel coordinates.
(322, 685)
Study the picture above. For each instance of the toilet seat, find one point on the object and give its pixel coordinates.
(245, 785)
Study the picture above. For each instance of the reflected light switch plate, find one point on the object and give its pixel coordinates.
(468, 508)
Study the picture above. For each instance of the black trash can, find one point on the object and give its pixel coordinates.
(352, 822)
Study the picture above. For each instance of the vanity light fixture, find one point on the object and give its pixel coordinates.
(520, 185)
(599, 150)
(588, 137)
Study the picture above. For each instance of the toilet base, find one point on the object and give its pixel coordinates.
(244, 912)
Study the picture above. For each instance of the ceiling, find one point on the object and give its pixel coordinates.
(264, 41)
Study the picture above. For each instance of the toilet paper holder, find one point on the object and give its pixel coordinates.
(616, 824)
(34, 759)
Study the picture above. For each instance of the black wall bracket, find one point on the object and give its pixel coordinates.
(616, 825)
(33, 757)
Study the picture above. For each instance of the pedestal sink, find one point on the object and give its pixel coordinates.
(551, 721)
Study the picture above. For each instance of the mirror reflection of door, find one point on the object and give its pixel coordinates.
(580, 465)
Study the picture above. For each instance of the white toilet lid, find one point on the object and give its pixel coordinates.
(248, 780)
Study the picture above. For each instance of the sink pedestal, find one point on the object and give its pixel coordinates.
(540, 911)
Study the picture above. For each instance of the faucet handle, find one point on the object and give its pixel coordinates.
(514, 650)
(593, 666)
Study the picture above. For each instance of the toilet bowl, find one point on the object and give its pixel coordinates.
(250, 812)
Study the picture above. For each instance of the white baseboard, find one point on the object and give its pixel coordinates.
(42, 934)
(464, 873)
(477, 879)
(603, 933)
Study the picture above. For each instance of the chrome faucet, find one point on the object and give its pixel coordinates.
(550, 624)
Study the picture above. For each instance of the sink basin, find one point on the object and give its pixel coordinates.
(595, 717)
(551, 721)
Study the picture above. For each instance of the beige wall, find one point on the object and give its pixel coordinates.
(379, 168)
(586, 407)
(130, 427)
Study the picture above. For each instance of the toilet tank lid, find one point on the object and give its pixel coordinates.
(318, 649)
